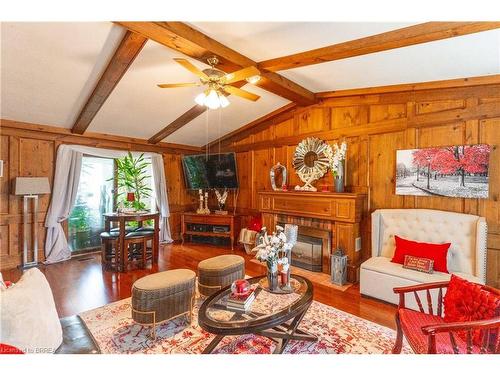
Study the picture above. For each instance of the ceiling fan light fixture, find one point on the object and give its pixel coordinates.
(253, 79)
(224, 102)
(200, 99)
(212, 100)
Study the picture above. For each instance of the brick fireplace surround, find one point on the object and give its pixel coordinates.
(333, 215)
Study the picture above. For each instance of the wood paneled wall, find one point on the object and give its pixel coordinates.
(375, 125)
(30, 150)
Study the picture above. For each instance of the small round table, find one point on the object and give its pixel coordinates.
(267, 316)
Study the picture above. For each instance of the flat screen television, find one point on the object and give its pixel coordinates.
(217, 171)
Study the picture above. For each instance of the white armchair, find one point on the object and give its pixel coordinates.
(466, 256)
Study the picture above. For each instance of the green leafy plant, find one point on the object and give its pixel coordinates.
(80, 219)
(132, 177)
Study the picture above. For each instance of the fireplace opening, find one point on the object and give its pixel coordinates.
(312, 250)
(308, 253)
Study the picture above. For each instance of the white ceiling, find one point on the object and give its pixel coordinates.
(464, 56)
(138, 108)
(49, 69)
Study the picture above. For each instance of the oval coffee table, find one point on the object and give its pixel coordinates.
(275, 316)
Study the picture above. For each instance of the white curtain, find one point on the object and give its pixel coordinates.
(160, 183)
(66, 179)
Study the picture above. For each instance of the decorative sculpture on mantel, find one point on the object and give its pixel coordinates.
(278, 170)
(311, 161)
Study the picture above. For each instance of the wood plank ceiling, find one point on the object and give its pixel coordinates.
(193, 43)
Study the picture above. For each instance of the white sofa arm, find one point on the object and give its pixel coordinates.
(481, 249)
(376, 240)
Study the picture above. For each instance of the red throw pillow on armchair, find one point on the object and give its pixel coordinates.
(434, 251)
(466, 301)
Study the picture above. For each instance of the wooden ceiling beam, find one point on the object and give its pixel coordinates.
(193, 43)
(493, 79)
(178, 123)
(125, 54)
(261, 123)
(417, 34)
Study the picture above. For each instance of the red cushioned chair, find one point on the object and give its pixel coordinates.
(427, 332)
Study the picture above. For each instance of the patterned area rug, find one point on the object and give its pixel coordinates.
(338, 332)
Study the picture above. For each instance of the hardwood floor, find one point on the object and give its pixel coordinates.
(80, 284)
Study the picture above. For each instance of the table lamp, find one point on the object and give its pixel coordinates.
(30, 188)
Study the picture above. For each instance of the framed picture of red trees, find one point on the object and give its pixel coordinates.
(452, 171)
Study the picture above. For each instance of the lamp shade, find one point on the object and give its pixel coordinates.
(31, 185)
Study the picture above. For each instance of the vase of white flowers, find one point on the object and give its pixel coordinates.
(337, 165)
(272, 278)
(274, 250)
(338, 178)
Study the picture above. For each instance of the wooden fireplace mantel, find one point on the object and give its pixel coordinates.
(342, 211)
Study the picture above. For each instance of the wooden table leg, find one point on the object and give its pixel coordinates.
(183, 229)
(122, 249)
(213, 344)
(286, 332)
(156, 241)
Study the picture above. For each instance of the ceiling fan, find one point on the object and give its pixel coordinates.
(218, 83)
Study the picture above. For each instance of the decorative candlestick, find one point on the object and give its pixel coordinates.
(207, 210)
(200, 209)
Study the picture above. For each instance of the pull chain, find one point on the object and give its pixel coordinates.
(207, 148)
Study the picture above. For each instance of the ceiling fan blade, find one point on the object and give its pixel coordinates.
(172, 85)
(240, 75)
(243, 93)
(193, 69)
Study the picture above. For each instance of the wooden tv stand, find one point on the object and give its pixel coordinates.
(232, 221)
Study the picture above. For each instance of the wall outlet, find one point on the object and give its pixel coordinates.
(357, 245)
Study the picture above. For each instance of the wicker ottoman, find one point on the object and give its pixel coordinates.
(163, 296)
(217, 272)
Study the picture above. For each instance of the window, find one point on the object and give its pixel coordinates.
(95, 197)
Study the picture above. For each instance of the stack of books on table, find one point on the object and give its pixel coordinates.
(240, 303)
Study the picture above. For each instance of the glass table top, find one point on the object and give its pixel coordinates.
(265, 306)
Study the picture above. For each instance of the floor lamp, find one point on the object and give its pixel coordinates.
(30, 188)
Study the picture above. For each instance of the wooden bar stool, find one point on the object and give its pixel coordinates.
(138, 238)
(110, 251)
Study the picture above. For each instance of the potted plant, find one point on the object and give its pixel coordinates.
(132, 177)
